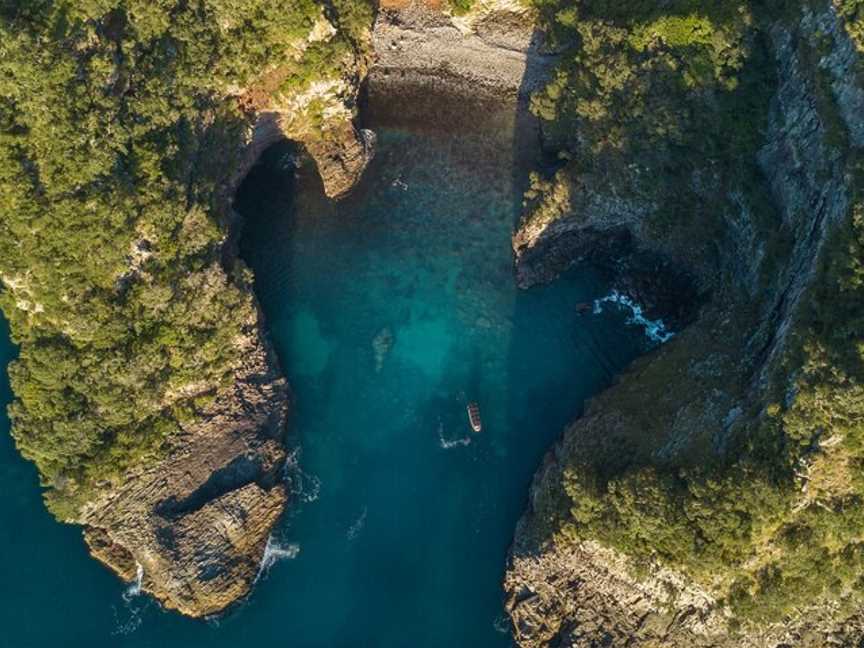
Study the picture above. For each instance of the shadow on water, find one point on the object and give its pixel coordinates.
(390, 311)
(397, 308)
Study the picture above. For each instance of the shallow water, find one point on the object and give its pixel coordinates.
(389, 311)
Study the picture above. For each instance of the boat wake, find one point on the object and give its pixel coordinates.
(355, 529)
(447, 444)
(275, 552)
(655, 330)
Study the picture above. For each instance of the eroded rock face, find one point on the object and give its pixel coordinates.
(341, 157)
(341, 153)
(701, 386)
(197, 521)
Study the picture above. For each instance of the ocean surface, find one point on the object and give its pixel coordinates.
(390, 311)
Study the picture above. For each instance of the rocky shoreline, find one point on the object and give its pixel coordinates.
(191, 529)
(494, 51)
(194, 526)
(705, 384)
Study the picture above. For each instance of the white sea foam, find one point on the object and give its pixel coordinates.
(655, 330)
(355, 529)
(501, 624)
(447, 444)
(275, 552)
(128, 619)
(302, 486)
(134, 588)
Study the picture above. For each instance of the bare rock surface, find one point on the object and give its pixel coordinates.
(493, 49)
(342, 156)
(196, 523)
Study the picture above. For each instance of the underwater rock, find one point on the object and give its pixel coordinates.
(381, 344)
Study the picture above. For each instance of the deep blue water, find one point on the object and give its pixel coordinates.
(389, 312)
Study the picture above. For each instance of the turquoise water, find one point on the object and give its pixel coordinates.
(389, 312)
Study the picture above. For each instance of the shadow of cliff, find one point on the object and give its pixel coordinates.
(532, 410)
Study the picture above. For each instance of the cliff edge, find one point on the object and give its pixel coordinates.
(698, 500)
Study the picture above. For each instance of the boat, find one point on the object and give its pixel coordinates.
(584, 307)
(474, 417)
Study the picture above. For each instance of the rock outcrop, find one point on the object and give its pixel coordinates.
(318, 115)
(341, 156)
(196, 522)
(341, 152)
(706, 383)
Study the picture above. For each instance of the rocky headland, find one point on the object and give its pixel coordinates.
(191, 529)
(698, 395)
(191, 523)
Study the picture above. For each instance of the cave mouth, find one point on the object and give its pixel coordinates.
(390, 310)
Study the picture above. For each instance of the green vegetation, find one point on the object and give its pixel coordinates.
(120, 121)
(460, 7)
(118, 136)
(652, 95)
(853, 12)
(662, 89)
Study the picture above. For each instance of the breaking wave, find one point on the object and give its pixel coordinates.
(655, 330)
(134, 588)
(275, 552)
(128, 618)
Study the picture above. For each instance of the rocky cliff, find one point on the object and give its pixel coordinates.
(193, 526)
(689, 402)
(318, 115)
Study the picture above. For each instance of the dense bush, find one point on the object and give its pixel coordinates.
(118, 133)
(668, 89)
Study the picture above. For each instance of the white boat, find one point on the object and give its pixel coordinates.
(474, 417)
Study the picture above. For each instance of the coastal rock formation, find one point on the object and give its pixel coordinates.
(318, 115)
(341, 156)
(196, 522)
(695, 394)
(192, 528)
(146, 393)
(493, 50)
